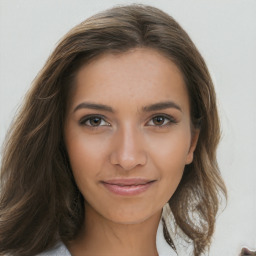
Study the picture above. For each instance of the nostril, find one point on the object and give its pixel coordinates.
(128, 163)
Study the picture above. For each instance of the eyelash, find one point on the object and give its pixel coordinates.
(89, 118)
(168, 120)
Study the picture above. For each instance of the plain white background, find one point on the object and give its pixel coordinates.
(224, 32)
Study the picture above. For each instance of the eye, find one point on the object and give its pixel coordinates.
(93, 121)
(161, 120)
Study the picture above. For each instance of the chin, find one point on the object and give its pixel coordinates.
(129, 221)
(134, 217)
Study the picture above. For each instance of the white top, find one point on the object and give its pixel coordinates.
(183, 245)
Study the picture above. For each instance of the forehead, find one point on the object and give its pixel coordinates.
(139, 76)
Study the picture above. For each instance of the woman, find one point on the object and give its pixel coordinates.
(114, 150)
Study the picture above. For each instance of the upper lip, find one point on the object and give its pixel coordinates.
(128, 182)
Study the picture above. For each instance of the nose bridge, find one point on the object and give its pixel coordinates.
(129, 150)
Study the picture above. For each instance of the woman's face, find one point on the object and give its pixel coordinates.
(128, 134)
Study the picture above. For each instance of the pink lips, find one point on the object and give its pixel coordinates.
(128, 187)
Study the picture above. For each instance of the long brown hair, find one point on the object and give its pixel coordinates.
(39, 202)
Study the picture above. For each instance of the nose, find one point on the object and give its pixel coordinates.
(128, 150)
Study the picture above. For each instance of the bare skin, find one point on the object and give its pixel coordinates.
(128, 121)
(115, 239)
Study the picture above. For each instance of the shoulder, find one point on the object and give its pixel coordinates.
(59, 250)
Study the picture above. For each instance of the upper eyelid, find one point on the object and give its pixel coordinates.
(93, 115)
(167, 116)
(170, 119)
(87, 117)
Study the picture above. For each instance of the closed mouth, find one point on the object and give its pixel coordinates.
(128, 187)
(128, 182)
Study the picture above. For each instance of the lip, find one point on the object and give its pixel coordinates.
(128, 187)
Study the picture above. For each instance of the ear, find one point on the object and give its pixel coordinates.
(194, 139)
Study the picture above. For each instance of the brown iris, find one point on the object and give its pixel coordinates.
(158, 120)
(95, 121)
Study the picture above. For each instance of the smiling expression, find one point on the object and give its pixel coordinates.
(128, 133)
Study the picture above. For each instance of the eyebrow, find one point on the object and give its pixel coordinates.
(154, 107)
(161, 106)
(94, 106)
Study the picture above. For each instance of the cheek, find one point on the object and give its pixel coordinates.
(169, 156)
(171, 149)
(86, 156)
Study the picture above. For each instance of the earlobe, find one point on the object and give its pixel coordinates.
(192, 148)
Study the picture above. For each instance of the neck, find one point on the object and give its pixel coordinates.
(103, 237)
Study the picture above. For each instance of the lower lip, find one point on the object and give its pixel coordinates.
(127, 190)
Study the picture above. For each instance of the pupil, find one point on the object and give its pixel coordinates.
(158, 120)
(95, 121)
